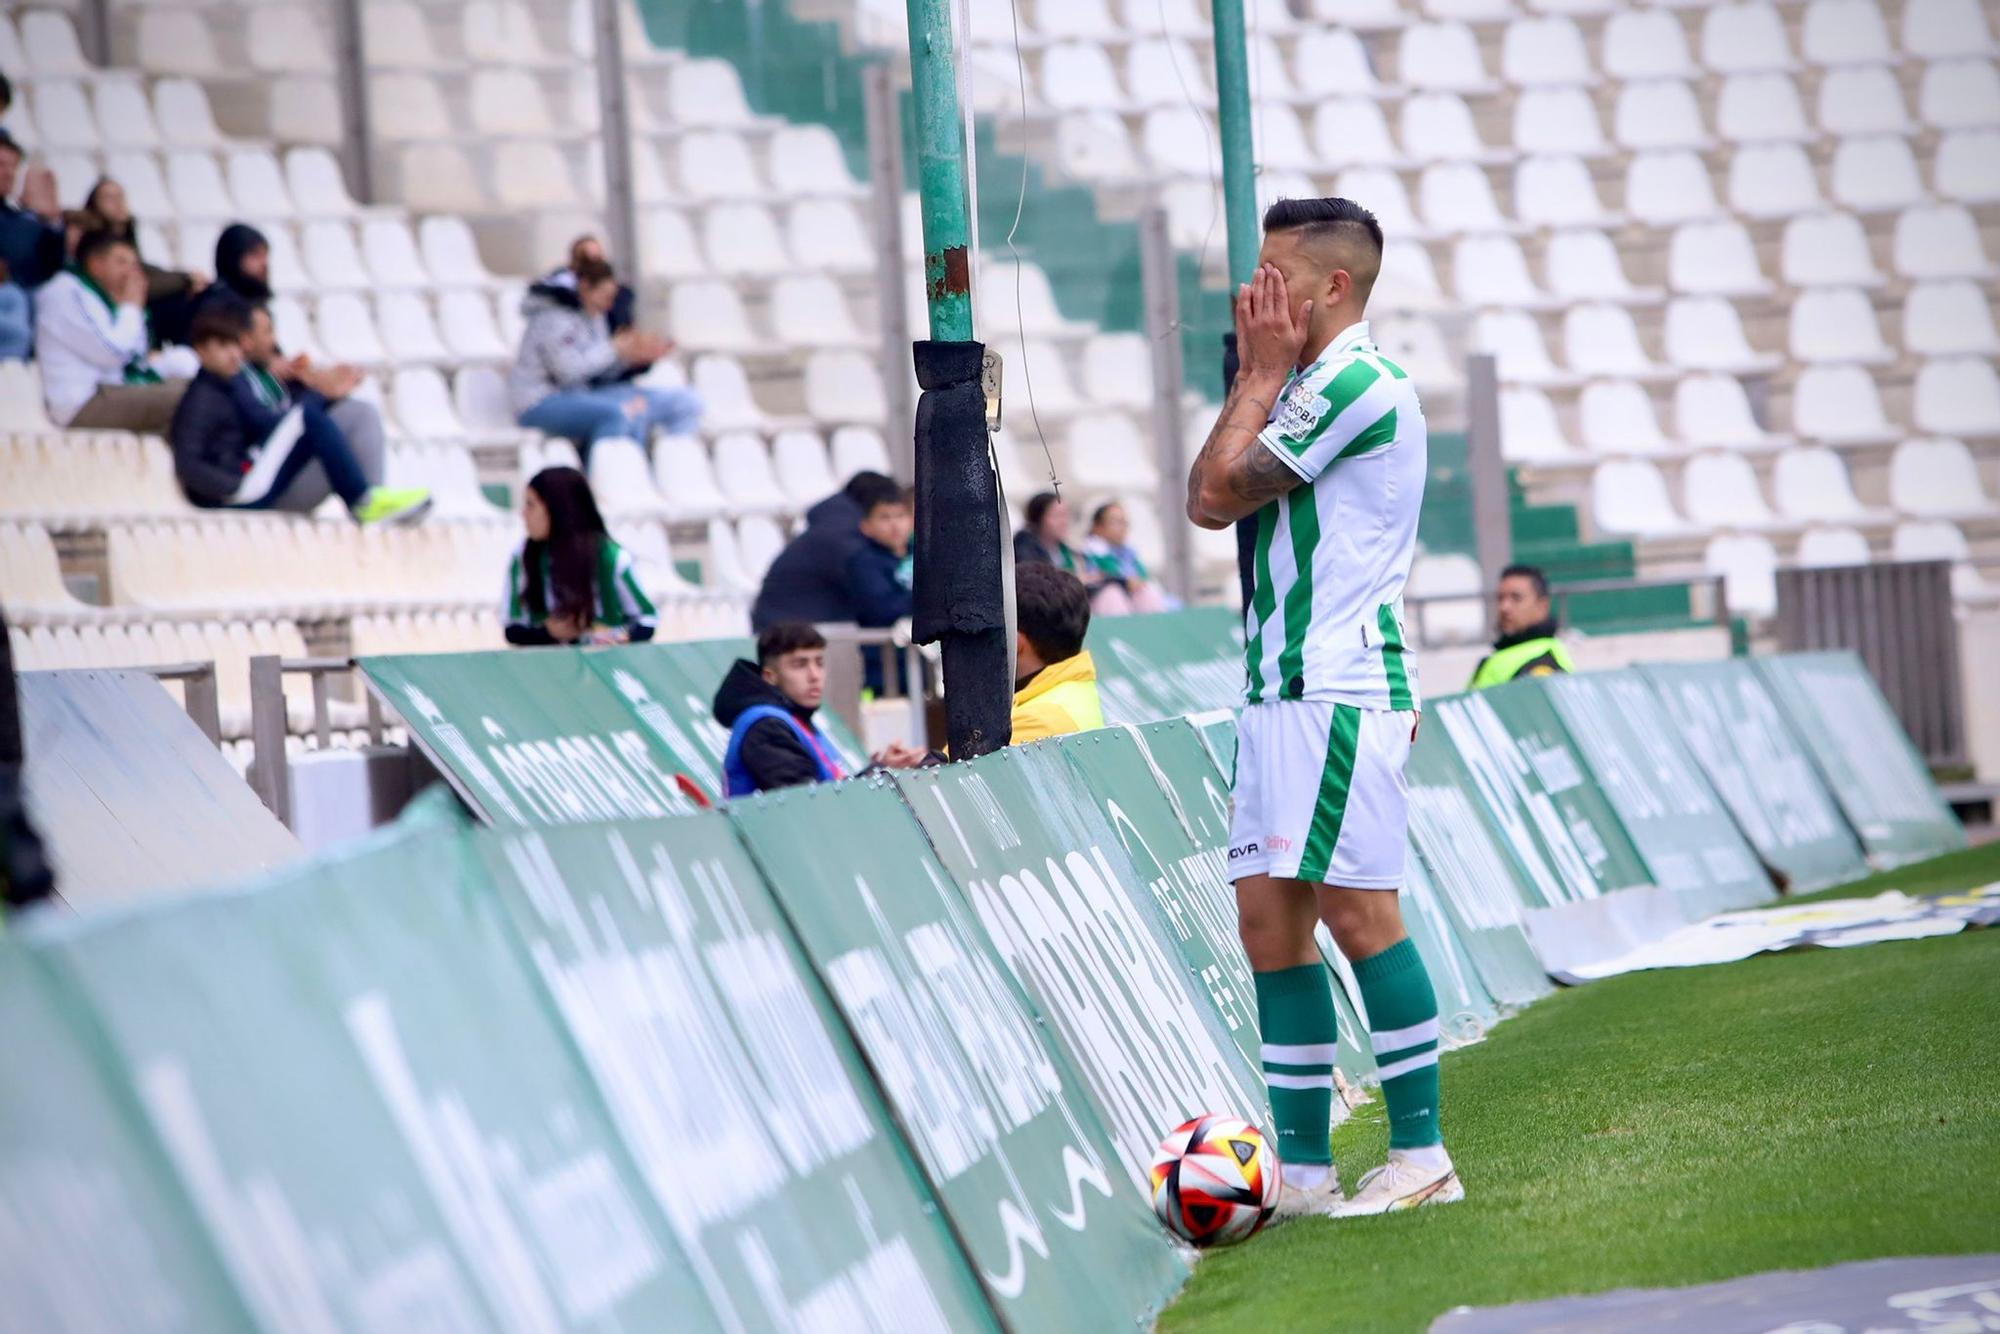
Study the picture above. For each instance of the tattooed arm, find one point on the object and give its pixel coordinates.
(1234, 476)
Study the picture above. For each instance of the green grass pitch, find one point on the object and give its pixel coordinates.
(1675, 1127)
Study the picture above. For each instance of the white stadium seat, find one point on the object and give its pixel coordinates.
(1945, 29)
(1646, 44)
(1824, 548)
(123, 114)
(1457, 197)
(1387, 199)
(409, 330)
(347, 330)
(1157, 68)
(1844, 32)
(1858, 100)
(717, 164)
(424, 406)
(1876, 175)
(1539, 52)
(622, 481)
(181, 110)
(1940, 539)
(1658, 114)
(176, 41)
(844, 387)
(409, 107)
(1331, 63)
(1442, 56)
(479, 395)
(1957, 396)
(707, 92)
(1937, 479)
(195, 182)
(1557, 192)
(1715, 259)
(1118, 370)
(1557, 121)
(1515, 340)
(1967, 167)
(1602, 340)
(1960, 94)
(743, 467)
(1836, 324)
(1713, 412)
(1748, 565)
(1839, 403)
(318, 187)
(1772, 181)
(1667, 188)
(1354, 132)
(743, 239)
(1107, 451)
(813, 312)
(257, 182)
(1704, 333)
(1744, 38)
(859, 449)
(1720, 491)
(803, 468)
(1078, 76)
(1435, 127)
(1949, 318)
(1616, 417)
(1583, 265)
(1761, 108)
(1408, 280)
(1529, 431)
(508, 101)
(1492, 271)
(1827, 250)
(49, 44)
(686, 479)
(1629, 496)
(332, 259)
(1811, 486)
(450, 254)
(827, 234)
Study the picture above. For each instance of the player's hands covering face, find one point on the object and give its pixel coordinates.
(1269, 335)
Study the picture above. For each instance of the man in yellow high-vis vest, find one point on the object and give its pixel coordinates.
(1527, 645)
(1055, 686)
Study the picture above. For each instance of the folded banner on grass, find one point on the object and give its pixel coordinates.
(1682, 831)
(1863, 755)
(1062, 902)
(1168, 664)
(1725, 714)
(1006, 1131)
(367, 1100)
(727, 1070)
(99, 1234)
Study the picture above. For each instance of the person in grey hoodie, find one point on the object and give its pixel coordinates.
(569, 377)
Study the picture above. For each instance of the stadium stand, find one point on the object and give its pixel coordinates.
(1735, 262)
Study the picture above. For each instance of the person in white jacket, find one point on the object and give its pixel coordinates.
(90, 338)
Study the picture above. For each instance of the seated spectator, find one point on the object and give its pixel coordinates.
(1127, 586)
(567, 377)
(17, 319)
(234, 451)
(808, 580)
(876, 587)
(1055, 680)
(569, 582)
(170, 293)
(90, 337)
(282, 382)
(1045, 541)
(31, 234)
(588, 247)
(243, 264)
(770, 708)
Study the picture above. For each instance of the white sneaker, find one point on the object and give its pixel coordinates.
(1402, 1184)
(1309, 1201)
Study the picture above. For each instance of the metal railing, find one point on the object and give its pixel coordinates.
(198, 694)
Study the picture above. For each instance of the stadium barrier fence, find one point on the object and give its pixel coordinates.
(884, 1054)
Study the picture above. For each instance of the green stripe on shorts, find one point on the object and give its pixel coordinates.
(1343, 739)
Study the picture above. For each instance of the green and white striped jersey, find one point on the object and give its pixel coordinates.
(1326, 619)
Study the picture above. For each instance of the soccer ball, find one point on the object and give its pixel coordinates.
(1215, 1180)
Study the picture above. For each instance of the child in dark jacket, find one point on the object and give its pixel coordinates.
(234, 451)
(875, 587)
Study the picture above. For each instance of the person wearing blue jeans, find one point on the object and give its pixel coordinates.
(572, 376)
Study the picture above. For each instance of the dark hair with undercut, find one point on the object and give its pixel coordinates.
(786, 637)
(1532, 573)
(591, 272)
(97, 242)
(219, 322)
(1052, 610)
(1331, 216)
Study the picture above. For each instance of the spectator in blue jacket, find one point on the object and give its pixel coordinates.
(234, 451)
(770, 707)
(876, 588)
(17, 318)
(808, 580)
(31, 233)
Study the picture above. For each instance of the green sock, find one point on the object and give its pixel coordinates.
(1403, 1019)
(1296, 1021)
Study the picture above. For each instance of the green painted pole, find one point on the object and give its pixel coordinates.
(941, 170)
(1239, 163)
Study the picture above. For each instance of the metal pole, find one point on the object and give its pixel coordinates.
(357, 141)
(1239, 163)
(961, 597)
(614, 131)
(94, 31)
(269, 761)
(1492, 522)
(198, 694)
(885, 184)
(1161, 277)
(1239, 206)
(941, 150)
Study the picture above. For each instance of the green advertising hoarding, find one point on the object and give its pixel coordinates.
(1058, 896)
(1167, 664)
(729, 1073)
(1736, 731)
(97, 1233)
(1686, 836)
(533, 737)
(1864, 755)
(1161, 794)
(1587, 892)
(371, 1107)
(1061, 1237)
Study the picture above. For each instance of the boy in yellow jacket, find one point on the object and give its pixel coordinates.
(1055, 682)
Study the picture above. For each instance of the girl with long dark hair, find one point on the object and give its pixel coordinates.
(569, 582)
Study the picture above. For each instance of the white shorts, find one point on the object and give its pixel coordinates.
(1320, 794)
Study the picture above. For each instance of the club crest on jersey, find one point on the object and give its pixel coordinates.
(1299, 414)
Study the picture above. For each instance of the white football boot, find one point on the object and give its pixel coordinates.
(1309, 1201)
(1399, 1184)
